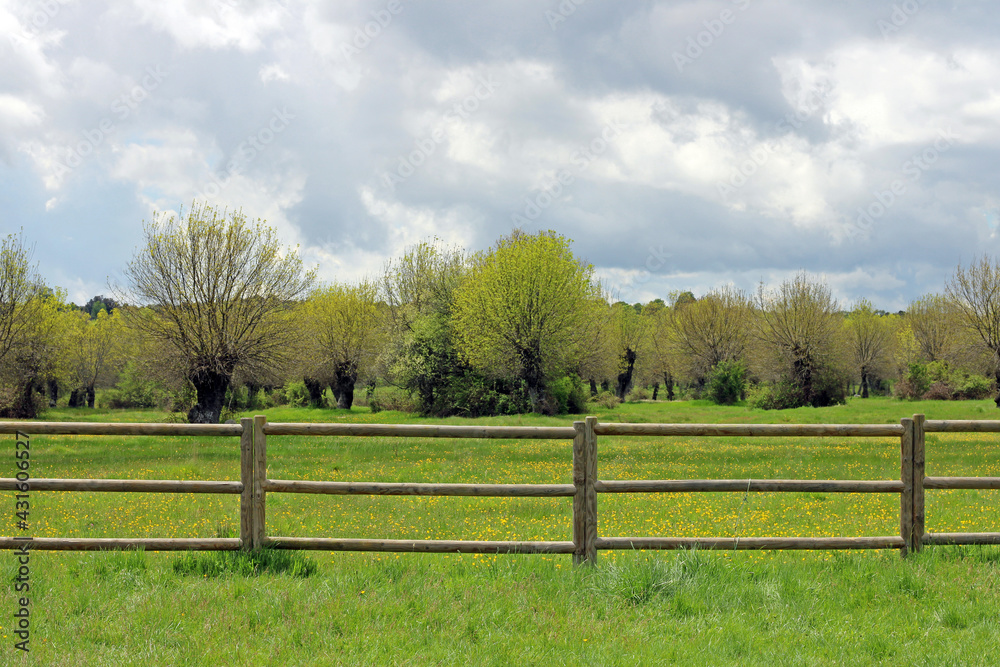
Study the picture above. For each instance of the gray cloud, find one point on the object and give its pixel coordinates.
(368, 86)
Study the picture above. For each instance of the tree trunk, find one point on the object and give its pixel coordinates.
(24, 406)
(53, 386)
(668, 384)
(997, 400)
(656, 390)
(74, 399)
(210, 388)
(802, 369)
(593, 387)
(625, 379)
(344, 378)
(864, 384)
(315, 389)
(91, 396)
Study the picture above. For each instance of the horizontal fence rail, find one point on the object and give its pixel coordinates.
(764, 485)
(85, 428)
(751, 543)
(404, 489)
(126, 485)
(424, 431)
(753, 430)
(112, 543)
(254, 486)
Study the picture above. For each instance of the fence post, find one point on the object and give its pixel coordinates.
(247, 478)
(579, 481)
(259, 475)
(590, 491)
(906, 476)
(918, 481)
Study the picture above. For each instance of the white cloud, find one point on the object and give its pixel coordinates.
(273, 72)
(217, 24)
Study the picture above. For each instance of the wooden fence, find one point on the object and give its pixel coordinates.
(254, 486)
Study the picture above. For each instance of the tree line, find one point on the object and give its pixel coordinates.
(213, 305)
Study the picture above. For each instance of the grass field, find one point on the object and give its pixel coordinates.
(633, 608)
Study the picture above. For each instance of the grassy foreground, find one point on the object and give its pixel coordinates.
(808, 608)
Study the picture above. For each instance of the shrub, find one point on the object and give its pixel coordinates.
(296, 394)
(906, 389)
(567, 395)
(691, 393)
(277, 397)
(937, 381)
(607, 399)
(829, 388)
(638, 394)
(975, 387)
(775, 396)
(727, 384)
(134, 390)
(939, 391)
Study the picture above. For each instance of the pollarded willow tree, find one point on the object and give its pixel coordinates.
(629, 331)
(935, 323)
(346, 333)
(799, 322)
(21, 293)
(95, 350)
(711, 330)
(869, 341)
(975, 291)
(218, 287)
(522, 309)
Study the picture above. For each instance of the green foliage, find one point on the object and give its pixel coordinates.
(522, 310)
(975, 387)
(638, 394)
(607, 399)
(245, 563)
(568, 395)
(387, 398)
(939, 381)
(134, 390)
(727, 383)
(775, 396)
(444, 385)
(295, 393)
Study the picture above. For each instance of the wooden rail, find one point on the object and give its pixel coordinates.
(254, 486)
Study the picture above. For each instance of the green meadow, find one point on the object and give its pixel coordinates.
(799, 608)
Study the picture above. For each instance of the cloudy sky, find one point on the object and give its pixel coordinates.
(681, 145)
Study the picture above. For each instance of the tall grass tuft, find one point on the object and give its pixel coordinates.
(639, 580)
(245, 563)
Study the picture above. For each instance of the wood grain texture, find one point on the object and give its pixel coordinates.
(743, 485)
(579, 494)
(246, 479)
(962, 483)
(424, 431)
(118, 544)
(906, 477)
(85, 428)
(126, 485)
(415, 489)
(961, 538)
(590, 490)
(751, 430)
(961, 426)
(420, 546)
(751, 543)
(919, 442)
(259, 509)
